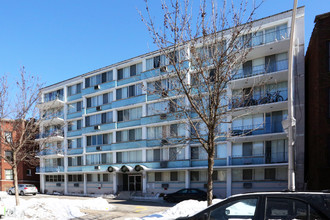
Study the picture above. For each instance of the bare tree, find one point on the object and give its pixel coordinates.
(19, 123)
(202, 53)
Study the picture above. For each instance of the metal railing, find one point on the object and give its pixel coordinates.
(269, 97)
(262, 69)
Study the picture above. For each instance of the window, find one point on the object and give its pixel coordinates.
(75, 89)
(129, 156)
(28, 172)
(75, 178)
(129, 71)
(74, 161)
(8, 137)
(154, 132)
(129, 114)
(105, 177)
(104, 158)
(247, 149)
(174, 176)
(194, 176)
(9, 174)
(221, 151)
(270, 173)
(100, 139)
(247, 174)
(239, 209)
(9, 155)
(130, 91)
(74, 107)
(158, 176)
(58, 94)
(156, 62)
(74, 143)
(98, 79)
(153, 155)
(54, 178)
(98, 119)
(74, 125)
(176, 153)
(99, 100)
(281, 208)
(129, 135)
(198, 153)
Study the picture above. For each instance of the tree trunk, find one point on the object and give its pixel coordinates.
(210, 174)
(16, 184)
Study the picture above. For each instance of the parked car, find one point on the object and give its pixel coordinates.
(269, 205)
(24, 189)
(184, 194)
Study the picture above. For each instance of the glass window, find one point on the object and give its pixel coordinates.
(174, 176)
(281, 208)
(8, 137)
(9, 174)
(247, 174)
(270, 173)
(194, 176)
(158, 176)
(239, 209)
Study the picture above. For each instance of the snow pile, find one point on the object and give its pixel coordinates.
(182, 209)
(51, 208)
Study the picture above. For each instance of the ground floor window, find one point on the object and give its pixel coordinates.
(75, 178)
(9, 174)
(54, 178)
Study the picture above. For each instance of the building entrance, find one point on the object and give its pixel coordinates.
(132, 182)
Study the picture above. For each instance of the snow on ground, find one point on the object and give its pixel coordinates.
(182, 209)
(51, 208)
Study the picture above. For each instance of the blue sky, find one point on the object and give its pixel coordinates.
(60, 39)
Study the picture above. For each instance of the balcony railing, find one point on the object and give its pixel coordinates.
(269, 97)
(46, 152)
(52, 98)
(262, 69)
(51, 134)
(49, 169)
(266, 128)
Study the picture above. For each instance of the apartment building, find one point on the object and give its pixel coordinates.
(318, 110)
(106, 133)
(25, 172)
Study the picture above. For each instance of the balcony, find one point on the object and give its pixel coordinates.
(269, 43)
(49, 169)
(277, 66)
(52, 152)
(56, 119)
(269, 97)
(57, 102)
(57, 135)
(250, 130)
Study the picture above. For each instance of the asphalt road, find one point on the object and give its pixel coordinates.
(125, 209)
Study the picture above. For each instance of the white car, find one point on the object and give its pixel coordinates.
(24, 189)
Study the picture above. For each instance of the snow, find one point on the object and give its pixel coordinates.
(182, 209)
(51, 208)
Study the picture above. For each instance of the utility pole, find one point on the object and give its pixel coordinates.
(291, 121)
